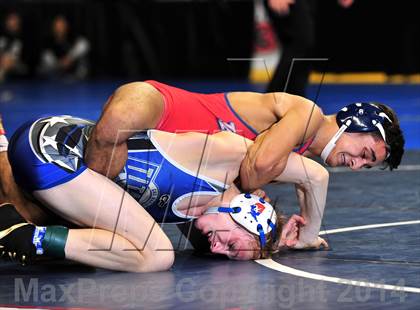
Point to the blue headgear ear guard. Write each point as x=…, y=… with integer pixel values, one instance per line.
x=357, y=117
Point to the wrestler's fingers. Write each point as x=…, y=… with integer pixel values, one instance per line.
x=289, y=225
x=292, y=235
x=324, y=243
x=298, y=219
x=261, y=193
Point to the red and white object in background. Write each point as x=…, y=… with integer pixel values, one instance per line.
x=266, y=48
x=2, y=131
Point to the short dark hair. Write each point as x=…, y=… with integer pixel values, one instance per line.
x=394, y=138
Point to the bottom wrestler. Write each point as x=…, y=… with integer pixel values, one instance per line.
x=170, y=178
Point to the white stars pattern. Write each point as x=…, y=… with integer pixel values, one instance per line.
x=55, y=119
x=50, y=141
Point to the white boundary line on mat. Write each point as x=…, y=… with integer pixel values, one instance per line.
x=345, y=229
x=269, y=263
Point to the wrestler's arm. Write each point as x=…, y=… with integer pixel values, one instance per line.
x=311, y=181
x=267, y=157
x=133, y=107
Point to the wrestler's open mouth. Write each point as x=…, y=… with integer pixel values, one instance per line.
x=343, y=160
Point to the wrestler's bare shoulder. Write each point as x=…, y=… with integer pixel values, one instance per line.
x=267, y=107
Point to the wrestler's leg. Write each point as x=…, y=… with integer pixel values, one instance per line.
x=17, y=243
x=93, y=201
x=9, y=191
x=133, y=107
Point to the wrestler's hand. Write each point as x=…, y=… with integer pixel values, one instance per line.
x=261, y=193
x=290, y=232
x=316, y=244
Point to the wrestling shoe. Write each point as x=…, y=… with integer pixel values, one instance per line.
x=15, y=236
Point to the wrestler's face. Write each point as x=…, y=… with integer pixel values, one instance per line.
x=358, y=150
x=226, y=237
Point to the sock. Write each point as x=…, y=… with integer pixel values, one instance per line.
x=4, y=144
x=50, y=240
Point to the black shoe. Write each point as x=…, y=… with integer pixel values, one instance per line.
x=15, y=236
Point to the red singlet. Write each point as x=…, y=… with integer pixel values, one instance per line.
x=208, y=113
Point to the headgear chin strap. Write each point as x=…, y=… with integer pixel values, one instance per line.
x=357, y=117
x=331, y=144
x=252, y=213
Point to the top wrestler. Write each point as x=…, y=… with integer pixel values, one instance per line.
x=278, y=122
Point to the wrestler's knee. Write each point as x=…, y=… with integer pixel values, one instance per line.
x=161, y=261
x=135, y=106
x=137, y=95
x=158, y=258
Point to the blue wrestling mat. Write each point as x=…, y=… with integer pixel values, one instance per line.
x=371, y=221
